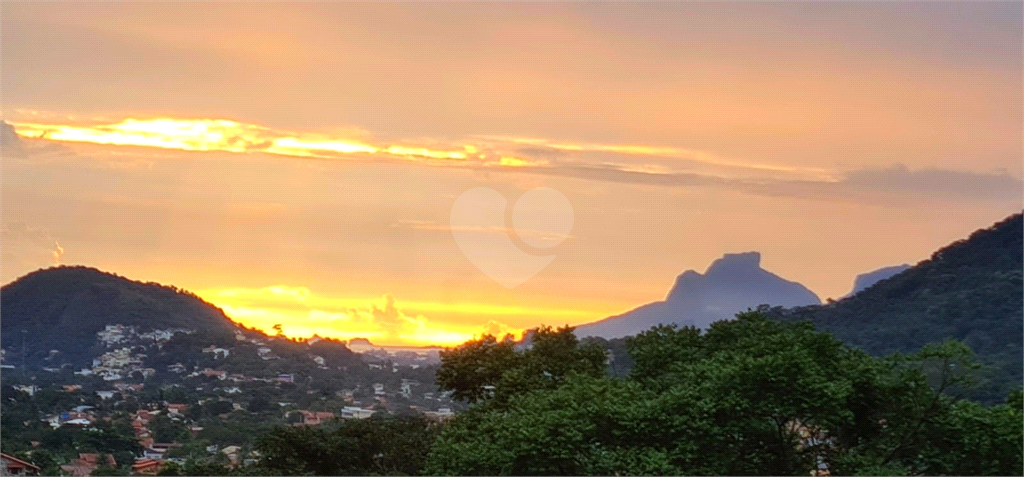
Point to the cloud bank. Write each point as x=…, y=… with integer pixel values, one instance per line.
x=654, y=165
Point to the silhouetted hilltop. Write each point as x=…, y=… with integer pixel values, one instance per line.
x=62, y=308
x=970, y=290
x=731, y=284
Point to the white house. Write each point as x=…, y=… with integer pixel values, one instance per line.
x=27, y=389
x=106, y=394
x=351, y=412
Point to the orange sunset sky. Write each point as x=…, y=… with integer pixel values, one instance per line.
x=297, y=163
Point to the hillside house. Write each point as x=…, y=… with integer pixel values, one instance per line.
x=106, y=394
x=123, y=387
x=351, y=412
x=222, y=375
x=11, y=465
x=311, y=418
x=29, y=389
x=233, y=453
x=176, y=368
x=442, y=414
x=407, y=385
x=147, y=466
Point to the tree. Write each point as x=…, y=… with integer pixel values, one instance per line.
x=485, y=368
x=747, y=397
x=376, y=446
x=166, y=430
x=469, y=369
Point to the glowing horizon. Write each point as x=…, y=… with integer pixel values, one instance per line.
x=303, y=313
x=300, y=175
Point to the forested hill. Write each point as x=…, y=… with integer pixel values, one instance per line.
x=970, y=290
x=62, y=308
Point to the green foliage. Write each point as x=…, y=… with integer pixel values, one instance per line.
x=205, y=467
x=376, y=446
x=166, y=430
x=469, y=368
x=581, y=428
x=485, y=368
x=751, y=396
x=969, y=291
x=170, y=468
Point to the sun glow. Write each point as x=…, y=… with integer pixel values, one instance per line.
x=226, y=136
x=302, y=313
x=423, y=152
x=185, y=135
x=293, y=146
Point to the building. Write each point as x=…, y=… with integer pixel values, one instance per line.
x=14, y=466
x=147, y=466
x=177, y=368
x=351, y=412
x=407, y=385
x=221, y=375
x=311, y=418
x=27, y=389
x=232, y=452
x=442, y=414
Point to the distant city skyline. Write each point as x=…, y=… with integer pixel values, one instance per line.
x=298, y=163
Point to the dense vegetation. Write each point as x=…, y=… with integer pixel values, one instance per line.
x=394, y=445
x=969, y=291
x=62, y=308
x=749, y=396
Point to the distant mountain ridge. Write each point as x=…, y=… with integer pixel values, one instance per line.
x=866, y=280
x=62, y=308
x=731, y=284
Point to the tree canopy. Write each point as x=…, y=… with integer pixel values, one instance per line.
x=749, y=396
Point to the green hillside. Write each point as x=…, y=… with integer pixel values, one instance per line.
x=970, y=290
x=62, y=308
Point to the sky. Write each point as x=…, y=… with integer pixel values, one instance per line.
x=305, y=163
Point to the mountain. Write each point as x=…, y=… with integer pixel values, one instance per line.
x=731, y=284
x=865, y=280
x=971, y=290
x=62, y=308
